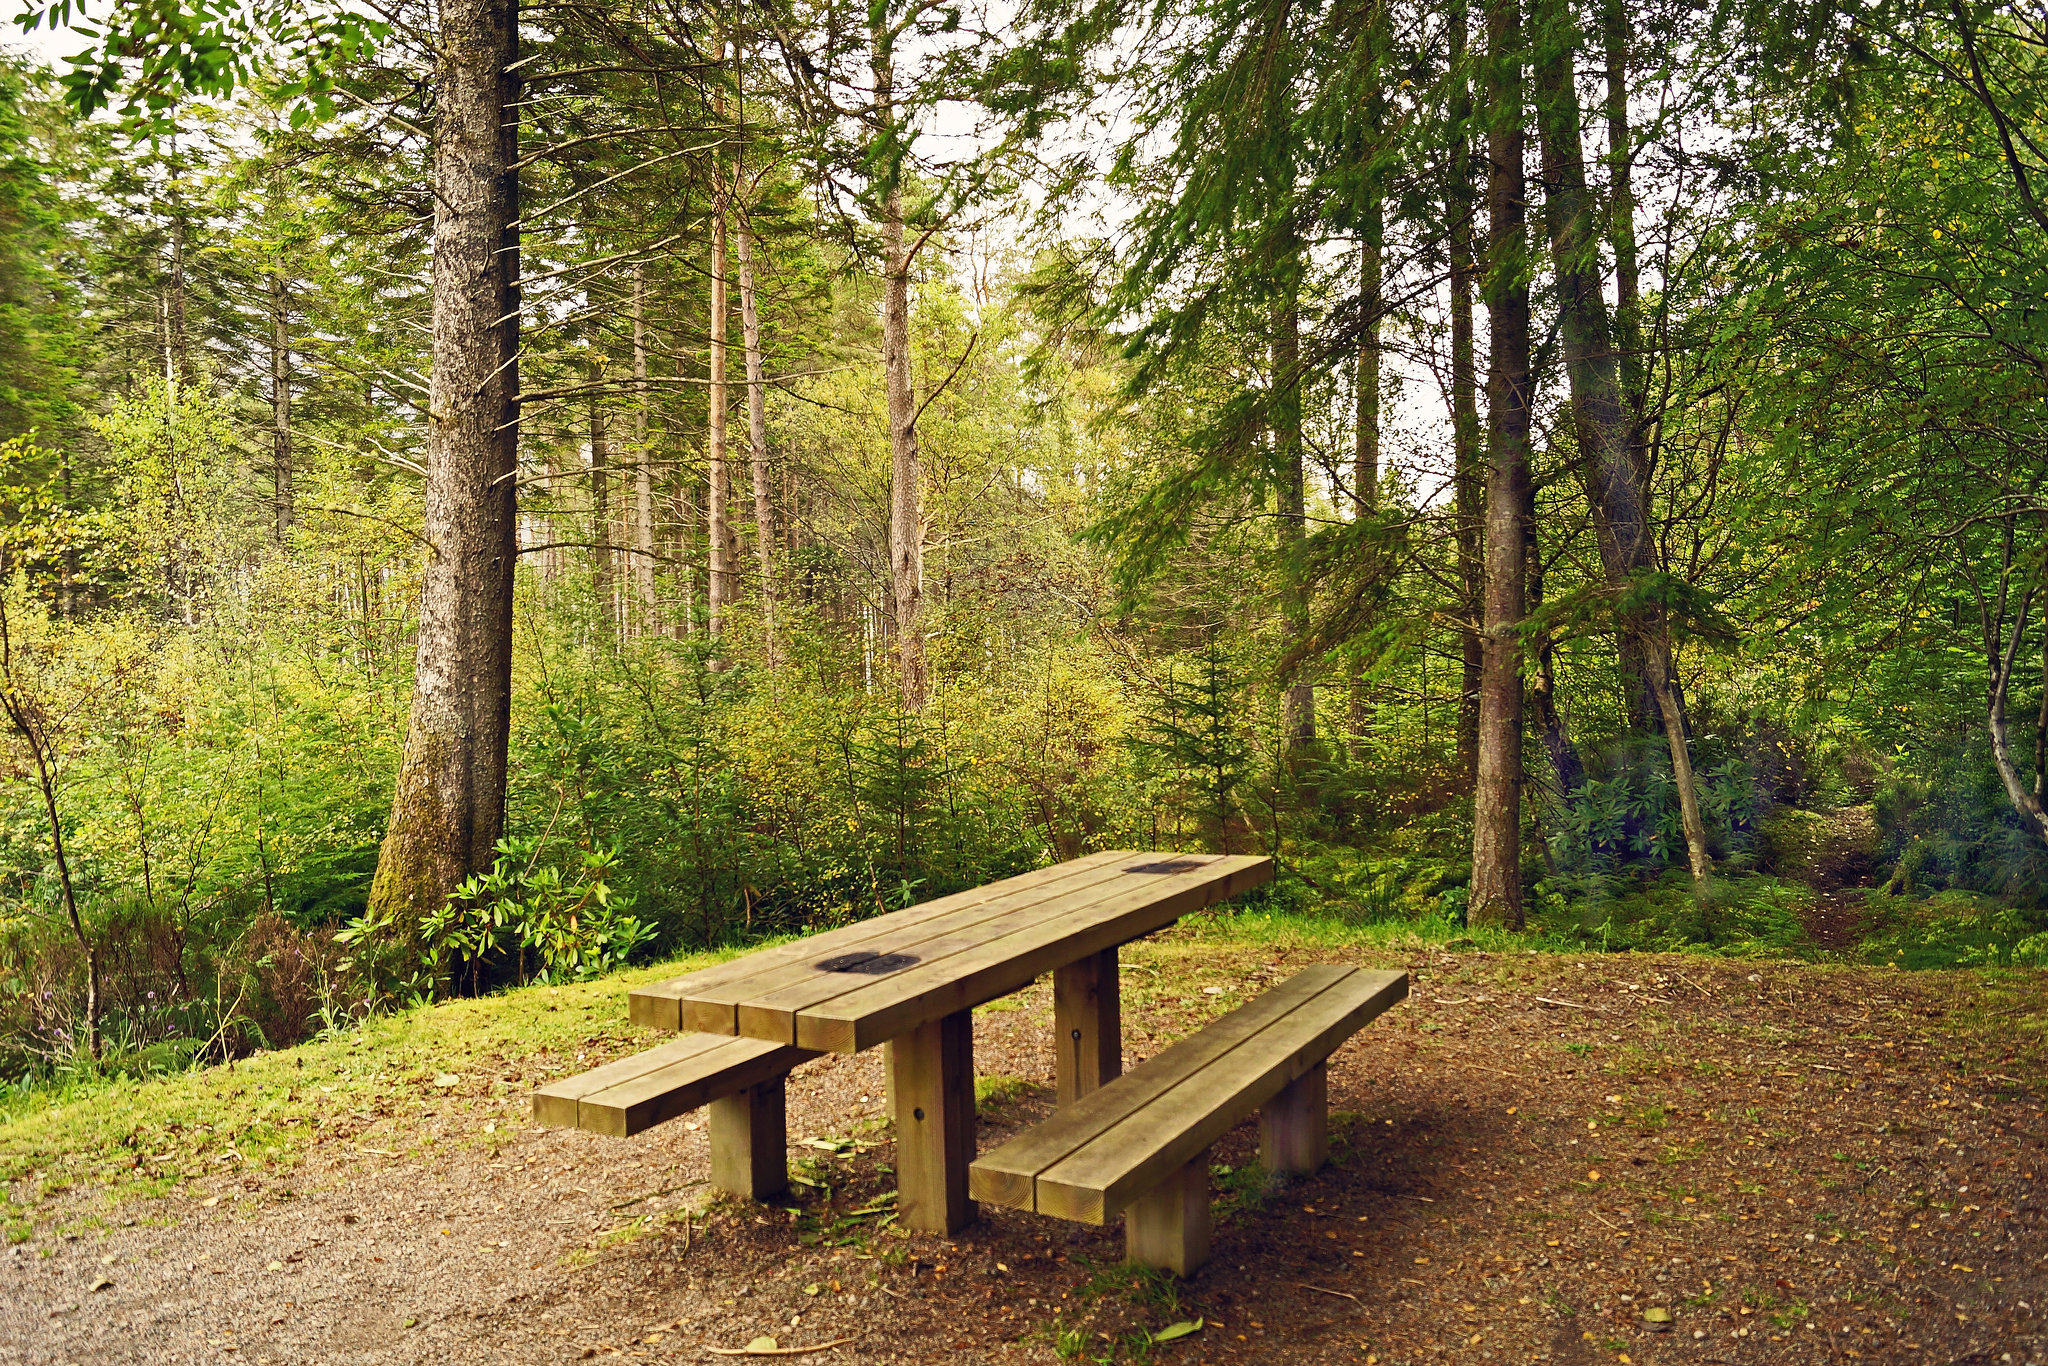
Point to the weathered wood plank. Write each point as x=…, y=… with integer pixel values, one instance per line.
x=637, y=1093
x=773, y=1002
x=766, y=1004
x=863, y=1018
x=556, y=1102
x=1131, y=1156
x=1007, y=1175
x=657, y=1005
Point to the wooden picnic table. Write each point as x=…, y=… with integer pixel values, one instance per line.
x=909, y=981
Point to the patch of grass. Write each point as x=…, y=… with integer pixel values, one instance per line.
x=993, y=1091
x=149, y=1135
x=1245, y=1189
x=1141, y=1287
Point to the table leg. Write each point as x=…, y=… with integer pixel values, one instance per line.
x=1087, y=1019
x=932, y=1068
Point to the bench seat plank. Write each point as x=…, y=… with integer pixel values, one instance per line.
x=1089, y=1162
x=634, y=1094
x=1006, y=1175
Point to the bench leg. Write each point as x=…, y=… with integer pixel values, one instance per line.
x=1087, y=1020
x=933, y=1071
x=1168, y=1226
x=1294, y=1126
x=749, y=1145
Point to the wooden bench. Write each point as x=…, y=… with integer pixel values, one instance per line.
x=1140, y=1145
x=740, y=1079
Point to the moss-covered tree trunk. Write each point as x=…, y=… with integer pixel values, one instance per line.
x=449, y=806
x=1614, y=482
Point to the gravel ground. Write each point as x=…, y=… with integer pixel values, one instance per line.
x=1794, y=1164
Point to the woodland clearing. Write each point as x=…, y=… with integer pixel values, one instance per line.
x=1538, y=1151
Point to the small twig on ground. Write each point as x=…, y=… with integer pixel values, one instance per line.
x=1574, y=1005
x=1320, y=1291
x=655, y=1195
x=776, y=1351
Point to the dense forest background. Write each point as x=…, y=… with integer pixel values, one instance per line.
x=1571, y=468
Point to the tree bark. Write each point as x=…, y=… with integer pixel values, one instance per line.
x=448, y=809
x=906, y=516
x=1621, y=208
x=1467, y=479
x=718, y=499
x=1365, y=455
x=1565, y=763
x=1298, y=702
x=1614, y=485
x=757, y=436
x=1496, y=896
x=602, y=576
x=643, y=460
x=2003, y=661
x=176, y=330
x=280, y=406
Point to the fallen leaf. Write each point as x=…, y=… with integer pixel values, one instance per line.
x=1657, y=1319
x=1174, y=1331
x=446, y=1079
x=762, y=1344
x=275, y=1266
x=100, y=1284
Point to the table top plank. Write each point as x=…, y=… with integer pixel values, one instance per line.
x=657, y=1005
x=1009, y=1174
x=789, y=986
x=922, y=992
x=1128, y=1158
x=772, y=1005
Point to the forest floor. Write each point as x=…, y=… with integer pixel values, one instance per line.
x=1795, y=1162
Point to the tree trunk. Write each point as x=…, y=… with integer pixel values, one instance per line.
x=449, y=806
x=717, y=529
x=643, y=459
x=175, y=304
x=757, y=436
x=2041, y=725
x=1365, y=455
x=1497, y=790
x=2027, y=803
x=906, y=517
x=601, y=572
x=281, y=405
x=1467, y=480
x=1614, y=486
x=1621, y=208
x=1298, y=703
x=1565, y=763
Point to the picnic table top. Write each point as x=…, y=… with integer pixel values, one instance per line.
x=865, y=983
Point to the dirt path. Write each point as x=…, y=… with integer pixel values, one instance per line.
x=1796, y=1164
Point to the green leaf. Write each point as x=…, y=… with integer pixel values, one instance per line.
x=1185, y=1328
